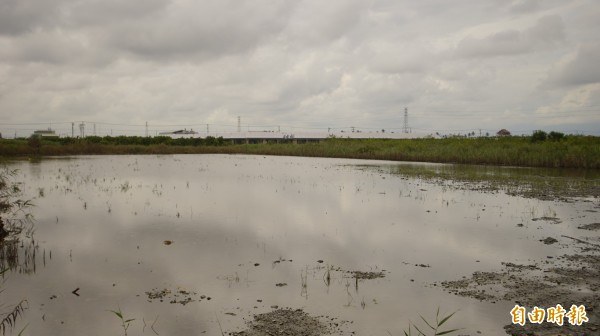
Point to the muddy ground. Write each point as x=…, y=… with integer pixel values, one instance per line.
x=567, y=280
x=296, y=322
x=570, y=279
x=293, y=322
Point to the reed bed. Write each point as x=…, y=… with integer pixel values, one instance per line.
x=568, y=152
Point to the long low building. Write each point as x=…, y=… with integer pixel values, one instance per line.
x=297, y=137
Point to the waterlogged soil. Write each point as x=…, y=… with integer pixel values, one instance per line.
x=255, y=245
x=293, y=322
x=566, y=185
x=572, y=279
x=591, y=227
x=567, y=280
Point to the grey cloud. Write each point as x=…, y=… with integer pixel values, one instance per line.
x=549, y=31
x=402, y=59
x=26, y=16
x=503, y=43
x=580, y=70
x=40, y=48
x=22, y=16
x=101, y=12
x=53, y=47
x=524, y=6
x=316, y=21
x=546, y=33
x=206, y=29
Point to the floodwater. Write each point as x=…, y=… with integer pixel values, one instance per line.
x=253, y=232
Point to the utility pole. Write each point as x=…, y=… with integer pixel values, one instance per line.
x=146, y=129
x=239, y=124
x=72, y=130
x=94, y=129
x=405, y=120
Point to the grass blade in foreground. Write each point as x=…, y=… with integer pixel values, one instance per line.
x=433, y=327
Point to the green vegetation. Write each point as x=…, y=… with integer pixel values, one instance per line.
x=539, y=183
x=8, y=318
x=14, y=221
x=433, y=326
x=539, y=150
x=125, y=322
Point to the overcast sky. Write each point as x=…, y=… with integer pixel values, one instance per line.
x=456, y=65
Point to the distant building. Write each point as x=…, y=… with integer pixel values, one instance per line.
x=503, y=132
x=49, y=133
x=183, y=131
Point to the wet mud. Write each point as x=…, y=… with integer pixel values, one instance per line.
x=293, y=322
x=566, y=280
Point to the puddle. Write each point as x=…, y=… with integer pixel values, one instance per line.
x=301, y=238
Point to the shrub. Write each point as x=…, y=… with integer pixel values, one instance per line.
x=555, y=136
x=539, y=136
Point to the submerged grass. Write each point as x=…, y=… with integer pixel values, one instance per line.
x=8, y=319
x=568, y=152
x=536, y=183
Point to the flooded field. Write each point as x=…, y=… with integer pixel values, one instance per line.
x=199, y=244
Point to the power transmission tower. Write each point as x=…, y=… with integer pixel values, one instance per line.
x=82, y=129
x=72, y=130
x=239, y=124
x=405, y=120
x=146, y=129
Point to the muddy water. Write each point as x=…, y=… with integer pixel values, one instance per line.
x=252, y=232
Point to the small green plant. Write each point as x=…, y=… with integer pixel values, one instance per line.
x=433, y=326
x=125, y=323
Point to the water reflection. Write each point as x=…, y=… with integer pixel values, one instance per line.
x=20, y=256
x=253, y=232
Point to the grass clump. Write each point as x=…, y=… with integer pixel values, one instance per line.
x=432, y=329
